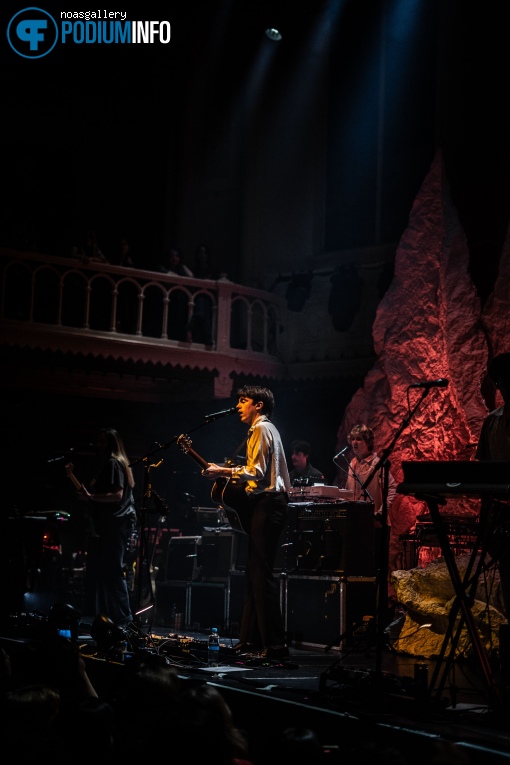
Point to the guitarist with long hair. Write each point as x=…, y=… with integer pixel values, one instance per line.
x=265, y=478
x=110, y=495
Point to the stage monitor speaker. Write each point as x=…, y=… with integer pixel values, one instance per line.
x=320, y=609
x=235, y=601
x=343, y=538
x=168, y=595
x=182, y=561
x=208, y=606
x=219, y=553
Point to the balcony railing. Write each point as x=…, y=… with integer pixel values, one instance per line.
x=64, y=304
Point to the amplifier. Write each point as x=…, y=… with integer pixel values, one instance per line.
x=220, y=553
x=182, y=560
x=327, y=610
x=341, y=537
x=319, y=491
x=321, y=511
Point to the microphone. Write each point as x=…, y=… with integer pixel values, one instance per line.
x=441, y=383
x=341, y=453
x=223, y=413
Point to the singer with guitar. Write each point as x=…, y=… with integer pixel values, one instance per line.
x=110, y=496
x=265, y=479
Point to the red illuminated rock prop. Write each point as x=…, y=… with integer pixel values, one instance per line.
x=427, y=327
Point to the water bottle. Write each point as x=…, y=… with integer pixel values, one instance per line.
x=213, y=648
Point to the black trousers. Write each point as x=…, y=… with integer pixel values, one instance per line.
x=261, y=621
x=112, y=594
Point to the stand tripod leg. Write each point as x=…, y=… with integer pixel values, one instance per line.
x=143, y=578
x=144, y=565
x=462, y=598
x=340, y=639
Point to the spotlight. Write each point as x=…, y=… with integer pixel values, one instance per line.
x=274, y=34
x=105, y=633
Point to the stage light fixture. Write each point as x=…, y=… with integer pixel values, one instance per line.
x=273, y=33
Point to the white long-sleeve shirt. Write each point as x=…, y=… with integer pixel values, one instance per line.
x=363, y=468
x=266, y=465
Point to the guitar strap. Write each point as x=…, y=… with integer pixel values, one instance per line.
x=243, y=443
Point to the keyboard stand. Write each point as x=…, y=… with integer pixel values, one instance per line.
x=462, y=602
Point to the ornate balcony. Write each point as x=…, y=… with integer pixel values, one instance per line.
x=95, y=324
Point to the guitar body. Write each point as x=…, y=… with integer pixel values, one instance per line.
x=226, y=493
x=232, y=498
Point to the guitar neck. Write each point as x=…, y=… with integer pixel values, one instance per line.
x=198, y=459
x=77, y=485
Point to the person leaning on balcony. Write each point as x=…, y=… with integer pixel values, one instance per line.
x=171, y=262
x=201, y=324
x=89, y=251
x=122, y=256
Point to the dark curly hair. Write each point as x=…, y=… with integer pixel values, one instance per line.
x=259, y=394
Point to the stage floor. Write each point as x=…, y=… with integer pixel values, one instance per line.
x=364, y=690
x=348, y=693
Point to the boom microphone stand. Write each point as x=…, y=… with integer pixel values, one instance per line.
x=144, y=557
x=348, y=633
x=382, y=574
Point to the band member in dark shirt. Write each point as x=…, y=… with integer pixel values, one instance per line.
x=303, y=472
x=110, y=494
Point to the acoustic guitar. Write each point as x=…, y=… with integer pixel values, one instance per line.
x=226, y=492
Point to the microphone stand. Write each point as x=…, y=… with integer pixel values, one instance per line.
x=364, y=489
x=382, y=574
x=340, y=638
x=143, y=560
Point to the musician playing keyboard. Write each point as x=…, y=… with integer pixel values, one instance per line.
x=494, y=444
x=361, y=439
x=303, y=473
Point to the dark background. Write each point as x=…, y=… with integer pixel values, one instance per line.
x=102, y=138
x=97, y=135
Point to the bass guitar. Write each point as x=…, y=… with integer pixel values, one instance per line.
x=70, y=474
x=79, y=487
x=226, y=492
